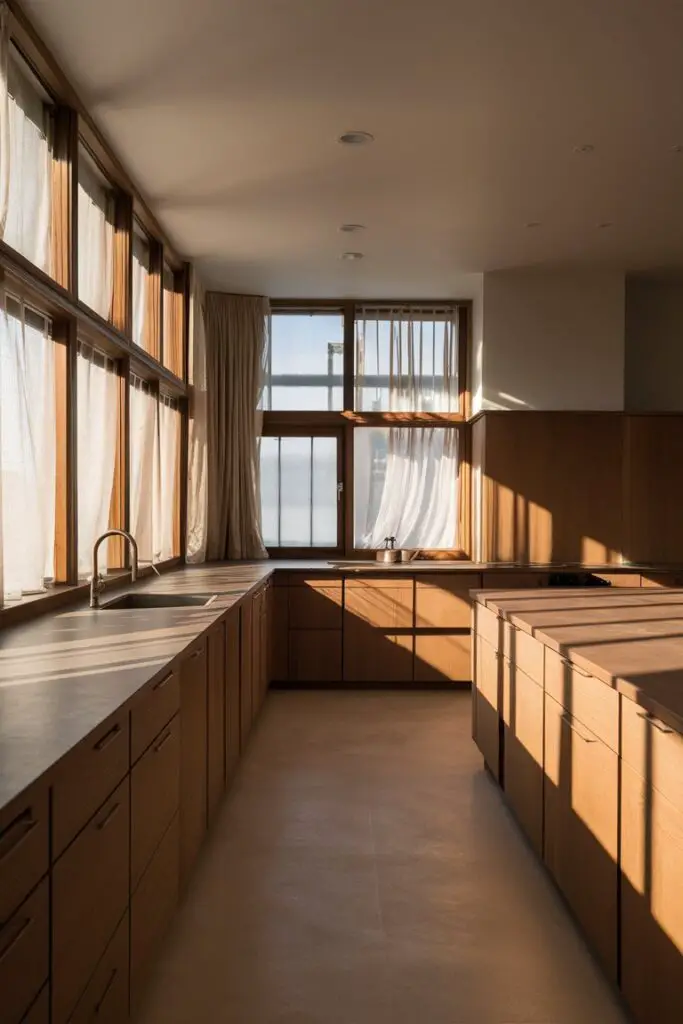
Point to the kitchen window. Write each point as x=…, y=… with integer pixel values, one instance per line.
x=96, y=209
x=305, y=361
x=301, y=490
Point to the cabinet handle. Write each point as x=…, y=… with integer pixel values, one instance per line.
x=162, y=742
x=575, y=668
x=15, y=938
x=108, y=738
x=196, y=654
x=568, y=720
x=162, y=682
x=100, y=1003
x=655, y=722
x=101, y=825
x=16, y=832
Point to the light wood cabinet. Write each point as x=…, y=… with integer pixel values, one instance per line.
x=588, y=700
x=90, y=888
x=315, y=603
x=216, y=715
x=514, y=580
x=246, y=670
x=442, y=600
x=154, y=796
x=24, y=954
x=156, y=707
x=443, y=657
x=152, y=908
x=524, y=650
x=315, y=655
x=232, y=692
x=486, y=698
x=193, y=759
x=523, y=750
x=383, y=602
x=24, y=847
x=279, y=637
x=373, y=656
x=106, y=998
x=581, y=806
x=488, y=626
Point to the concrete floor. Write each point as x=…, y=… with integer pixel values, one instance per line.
x=364, y=869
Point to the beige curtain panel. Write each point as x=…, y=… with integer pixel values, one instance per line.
x=236, y=341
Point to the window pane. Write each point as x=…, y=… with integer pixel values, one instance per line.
x=166, y=540
x=143, y=407
x=97, y=384
x=406, y=486
x=141, y=265
x=299, y=491
x=173, y=337
x=406, y=360
x=29, y=166
x=306, y=362
x=95, y=237
x=27, y=451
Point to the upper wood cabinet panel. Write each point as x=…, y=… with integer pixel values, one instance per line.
x=385, y=603
x=443, y=602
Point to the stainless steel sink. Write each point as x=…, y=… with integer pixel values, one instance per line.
x=132, y=600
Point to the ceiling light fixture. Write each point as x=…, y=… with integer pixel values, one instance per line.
x=585, y=150
x=356, y=138
x=350, y=228
x=352, y=256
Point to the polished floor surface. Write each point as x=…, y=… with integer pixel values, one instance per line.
x=363, y=870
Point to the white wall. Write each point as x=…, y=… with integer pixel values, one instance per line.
x=553, y=340
x=654, y=346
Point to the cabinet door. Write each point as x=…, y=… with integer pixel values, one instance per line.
x=315, y=603
x=523, y=750
x=581, y=804
x=232, y=692
x=385, y=602
x=24, y=846
x=106, y=998
x=24, y=955
x=154, y=795
x=279, y=634
x=373, y=656
x=443, y=602
x=486, y=697
x=443, y=658
x=651, y=908
x=216, y=718
x=246, y=671
x=193, y=758
x=315, y=655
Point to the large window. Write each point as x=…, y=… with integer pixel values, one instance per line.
x=143, y=410
x=173, y=322
x=26, y=164
x=362, y=448
x=27, y=451
x=142, y=323
x=96, y=205
x=166, y=539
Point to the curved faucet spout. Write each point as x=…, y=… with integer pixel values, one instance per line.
x=96, y=582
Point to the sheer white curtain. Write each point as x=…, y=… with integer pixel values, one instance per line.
x=140, y=289
x=143, y=408
x=165, y=474
x=25, y=158
x=97, y=388
x=197, y=491
x=27, y=450
x=95, y=240
x=406, y=360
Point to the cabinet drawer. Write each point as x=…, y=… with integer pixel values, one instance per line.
x=652, y=749
x=524, y=651
x=86, y=777
x=487, y=673
x=40, y=1011
x=443, y=602
x=372, y=656
x=443, y=658
x=24, y=955
x=523, y=750
x=105, y=1000
x=152, y=907
x=489, y=626
x=90, y=886
x=588, y=700
x=486, y=697
x=387, y=604
x=315, y=655
x=315, y=605
x=24, y=847
x=157, y=706
x=154, y=795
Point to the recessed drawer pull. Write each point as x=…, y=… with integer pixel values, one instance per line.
x=162, y=742
x=196, y=654
x=101, y=825
x=107, y=988
x=23, y=925
x=655, y=722
x=162, y=682
x=568, y=720
x=108, y=737
x=575, y=668
x=16, y=832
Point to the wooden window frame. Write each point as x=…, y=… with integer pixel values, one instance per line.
x=314, y=423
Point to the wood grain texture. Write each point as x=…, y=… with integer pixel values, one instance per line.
x=443, y=658
x=374, y=656
x=193, y=765
x=106, y=999
x=154, y=797
x=25, y=954
x=232, y=692
x=443, y=602
x=315, y=655
x=24, y=846
x=654, y=490
x=216, y=716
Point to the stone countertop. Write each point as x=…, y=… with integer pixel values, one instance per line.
x=630, y=638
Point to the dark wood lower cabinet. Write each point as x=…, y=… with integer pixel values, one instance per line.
x=232, y=693
x=216, y=719
x=246, y=670
x=24, y=954
x=152, y=907
x=373, y=656
x=106, y=998
x=193, y=758
x=315, y=656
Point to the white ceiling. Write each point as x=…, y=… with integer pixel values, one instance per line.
x=226, y=115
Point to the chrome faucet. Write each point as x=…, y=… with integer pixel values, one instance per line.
x=96, y=580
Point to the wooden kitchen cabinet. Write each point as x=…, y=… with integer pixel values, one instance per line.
x=373, y=656
x=40, y=1009
x=486, y=704
x=154, y=796
x=193, y=758
x=246, y=670
x=24, y=847
x=216, y=696
x=158, y=704
x=279, y=634
x=523, y=750
x=90, y=890
x=442, y=600
x=443, y=657
x=514, y=580
x=315, y=602
x=581, y=808
x=152, y=907
x=383, y=602
x=232, y=692
x=24, y=954
x=315, y=655
x=106, y=998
